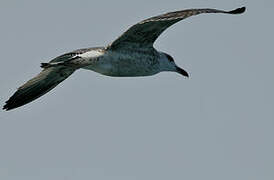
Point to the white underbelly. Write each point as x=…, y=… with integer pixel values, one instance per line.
x=126, y=65
x=123, y=69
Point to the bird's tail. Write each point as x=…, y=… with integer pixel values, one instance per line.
x=52, y=64
x=38, y=86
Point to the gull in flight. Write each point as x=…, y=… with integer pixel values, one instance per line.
x=130, y=55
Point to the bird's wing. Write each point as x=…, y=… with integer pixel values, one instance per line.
x=52, y=74
x=144, y=33
x=38, y=86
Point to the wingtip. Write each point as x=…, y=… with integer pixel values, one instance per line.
x=7, y=106
x=238, y=10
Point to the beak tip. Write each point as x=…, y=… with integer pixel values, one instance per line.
x=182, y=72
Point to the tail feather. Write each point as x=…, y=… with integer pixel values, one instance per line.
x=47, y=65
x=39, y=85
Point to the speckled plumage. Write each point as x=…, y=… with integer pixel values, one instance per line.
x=132, y=54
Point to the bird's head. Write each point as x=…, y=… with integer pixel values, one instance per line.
x=167, y=63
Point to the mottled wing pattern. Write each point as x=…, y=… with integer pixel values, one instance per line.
x=38, y=86
x=147, y=31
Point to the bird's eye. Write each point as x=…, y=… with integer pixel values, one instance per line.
x=169, y=58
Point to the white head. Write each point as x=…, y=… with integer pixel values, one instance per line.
x=167, y=64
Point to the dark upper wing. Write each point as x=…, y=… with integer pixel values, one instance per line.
x=147, y=31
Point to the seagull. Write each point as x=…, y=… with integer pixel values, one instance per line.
x=130, y=55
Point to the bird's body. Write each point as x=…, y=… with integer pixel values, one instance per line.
x=130, y=55
x=130, y=63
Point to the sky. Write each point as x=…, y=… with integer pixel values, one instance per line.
x=217, y=124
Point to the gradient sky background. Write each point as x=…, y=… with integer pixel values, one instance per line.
x=216, y=125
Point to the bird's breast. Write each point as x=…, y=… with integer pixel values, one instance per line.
x=126, y=65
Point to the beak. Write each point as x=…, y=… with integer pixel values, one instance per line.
x=181, y=71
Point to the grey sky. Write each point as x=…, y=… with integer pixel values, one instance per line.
x=216, y=125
